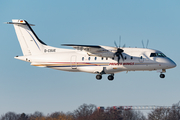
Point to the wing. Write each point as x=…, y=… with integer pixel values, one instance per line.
x=95, y=50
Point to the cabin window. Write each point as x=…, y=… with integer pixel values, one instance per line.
x=82, y=58
x=131, y=57
x=141, y=57
x=95, y=58
x=107, y=58
x=113, y=58
x=102, y=58
x=89, y=58
x=125, y=58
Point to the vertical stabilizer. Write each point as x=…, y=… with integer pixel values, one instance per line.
x=29, y=42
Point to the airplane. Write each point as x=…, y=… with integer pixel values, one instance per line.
x=96, y=59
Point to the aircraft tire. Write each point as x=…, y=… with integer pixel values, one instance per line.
x=110, y=77
x=98, y=77
x=162, y=76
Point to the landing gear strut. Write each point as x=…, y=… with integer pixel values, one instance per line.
x=162, y=75
x=111, y=77
x=98, y=77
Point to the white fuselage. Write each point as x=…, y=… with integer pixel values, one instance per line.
x=136, y=59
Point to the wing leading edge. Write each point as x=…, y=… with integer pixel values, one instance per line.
x=74, y=45
x=94, y=50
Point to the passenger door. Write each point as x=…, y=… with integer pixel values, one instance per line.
x=73, y=62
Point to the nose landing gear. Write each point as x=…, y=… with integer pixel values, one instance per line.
x=162, y=75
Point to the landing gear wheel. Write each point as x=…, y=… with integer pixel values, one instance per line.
x=110, y=77
x=98, y=77
x=162, y=76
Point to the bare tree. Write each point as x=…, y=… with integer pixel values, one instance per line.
x=139, y=115
x=84, y=112
x=59, y=116
x=55, y=115
x=23, y=116
x=174, y=113
x=10, y=116
x=159, y=114
x=117, y=114
x=35, y=115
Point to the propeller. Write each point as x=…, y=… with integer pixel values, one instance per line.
x=119, y=51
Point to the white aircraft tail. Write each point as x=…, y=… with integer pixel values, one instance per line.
x=29, y=42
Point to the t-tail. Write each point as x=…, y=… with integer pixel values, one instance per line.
x=29, y=41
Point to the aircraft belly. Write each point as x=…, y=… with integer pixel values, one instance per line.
x=65, y=69
x=91, y=69
x=112, y=70
x=145, y=67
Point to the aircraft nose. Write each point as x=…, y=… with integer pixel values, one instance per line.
x=172, y=64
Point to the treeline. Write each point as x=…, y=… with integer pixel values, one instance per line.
x=90, y=112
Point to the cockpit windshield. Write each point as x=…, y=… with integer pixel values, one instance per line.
x=157, y=55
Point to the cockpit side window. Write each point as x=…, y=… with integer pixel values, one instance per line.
x=161, y=55
x=157, y=55
x=153, y=55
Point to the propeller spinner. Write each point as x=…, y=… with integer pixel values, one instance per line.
x=119, y=52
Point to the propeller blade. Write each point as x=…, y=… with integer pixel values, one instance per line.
x=147, y=43
x=119, y=41
x=122, y=56
x=143, y=43
x=124, y=46
x=118, y=59
x=115, y=44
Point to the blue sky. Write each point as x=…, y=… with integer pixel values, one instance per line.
x=25, y=88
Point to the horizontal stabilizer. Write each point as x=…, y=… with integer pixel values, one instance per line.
x=20, y=22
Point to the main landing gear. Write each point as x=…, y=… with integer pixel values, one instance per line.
x=98, y=77
x=110, y=77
